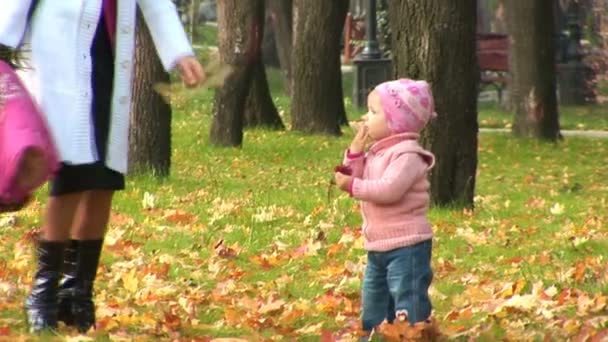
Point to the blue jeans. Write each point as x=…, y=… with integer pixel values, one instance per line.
x=397, y=281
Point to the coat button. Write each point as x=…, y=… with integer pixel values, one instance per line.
x=123, y=100
x=125, y=64
x=125, y=30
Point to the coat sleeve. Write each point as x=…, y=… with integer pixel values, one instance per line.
x=13, y=21
x=166, y=29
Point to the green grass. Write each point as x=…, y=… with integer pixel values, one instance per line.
x=588, y=117
x=540, y=218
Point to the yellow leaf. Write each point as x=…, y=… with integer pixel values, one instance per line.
x=557, y=209
x=130, y=281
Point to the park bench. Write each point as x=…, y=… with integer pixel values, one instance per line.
x=493, y=60
x=492, y=53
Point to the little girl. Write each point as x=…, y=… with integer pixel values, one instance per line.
x=391, y=182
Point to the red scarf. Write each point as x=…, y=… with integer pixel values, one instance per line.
x=109, y=13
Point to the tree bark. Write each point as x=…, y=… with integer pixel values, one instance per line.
x=437, y=43
x=150, y=130
x=259, y=109
x=318, y=104
x=532, y=68
x=240, y=25
x=282, y=18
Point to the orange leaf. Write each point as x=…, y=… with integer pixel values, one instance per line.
x=171, y=321
x=231, y=316
x=334, y=249
x=5, y=331
x=327, y=336
x=545, y=258
x=329, y=302
x=179, y=217
x=515, y=260
x=265, y=261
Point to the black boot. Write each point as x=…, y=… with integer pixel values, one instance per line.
x=41, y=304
x=67, y=282
x=83, y=308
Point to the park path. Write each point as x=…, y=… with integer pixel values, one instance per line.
x=596, y=134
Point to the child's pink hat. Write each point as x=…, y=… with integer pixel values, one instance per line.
x=408, y=104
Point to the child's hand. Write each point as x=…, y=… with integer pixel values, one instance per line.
x=359, y=141
x=191, y=71
x=343, y=181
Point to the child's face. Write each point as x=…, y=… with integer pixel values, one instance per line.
x=377, y=127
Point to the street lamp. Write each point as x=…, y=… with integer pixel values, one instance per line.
x=574, y=77
x=371, y=49
x=370, y=67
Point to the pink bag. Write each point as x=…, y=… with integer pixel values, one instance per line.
x=28, y=157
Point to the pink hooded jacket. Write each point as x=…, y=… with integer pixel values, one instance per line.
x=22, y=127
x=391, y=182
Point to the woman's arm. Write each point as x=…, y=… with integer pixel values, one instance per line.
x=13, y=21
x=166, y=29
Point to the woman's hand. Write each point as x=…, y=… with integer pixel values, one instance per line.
x=191, y=71
x=359, y=141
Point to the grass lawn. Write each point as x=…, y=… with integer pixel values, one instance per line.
x=253, y=243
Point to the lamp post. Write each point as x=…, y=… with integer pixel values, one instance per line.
x=370, y=67
x=371, y=49
x=574, y=77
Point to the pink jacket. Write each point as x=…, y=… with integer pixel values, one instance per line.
x=391, y=182
x=22, y=127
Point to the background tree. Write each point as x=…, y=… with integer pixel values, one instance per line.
x=150, y=132
x=437, y=43
x=259, y=108
x=531, y=26
x=281, y=16
x=240, y=27
x=317, y=101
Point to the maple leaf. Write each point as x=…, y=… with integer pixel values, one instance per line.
x=402, y=331
x=557, y=209
x=179, y=217
x=223, y=251
x=130, y=281
x=271, y=307
x=171, y=321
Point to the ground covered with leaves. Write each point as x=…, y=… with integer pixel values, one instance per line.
x=253, y=243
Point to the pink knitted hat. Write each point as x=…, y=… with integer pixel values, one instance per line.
x=408, y=104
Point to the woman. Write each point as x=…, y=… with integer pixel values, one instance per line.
x=82, y=66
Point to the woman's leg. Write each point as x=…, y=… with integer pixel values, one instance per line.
x=59, y=216
x=41, y=305
x=76, y=288
x=93, y=215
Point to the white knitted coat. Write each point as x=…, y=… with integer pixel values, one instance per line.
x=60, y=35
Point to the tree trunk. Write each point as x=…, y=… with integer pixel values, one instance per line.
x=318, y=104
x=259, y=109
x=282, y=19
x=437, y=43
x=240, y=25
x=150, y=132
x=532, y=67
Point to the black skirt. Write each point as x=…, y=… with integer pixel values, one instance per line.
x=95, y=176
